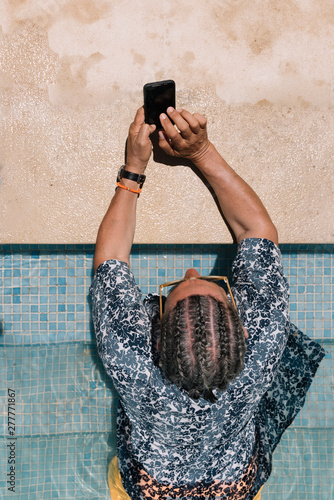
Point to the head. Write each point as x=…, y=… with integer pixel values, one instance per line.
x=202, y=344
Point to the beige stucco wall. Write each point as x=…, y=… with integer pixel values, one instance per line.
x=71, y=77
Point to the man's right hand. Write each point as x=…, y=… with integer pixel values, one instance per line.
x=191, y=141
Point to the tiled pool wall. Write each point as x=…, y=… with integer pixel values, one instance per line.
x=64, y=403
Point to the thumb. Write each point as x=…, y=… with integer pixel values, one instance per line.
x=145, y=131
x=152, y=128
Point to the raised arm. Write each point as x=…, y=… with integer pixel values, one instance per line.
x=242, y=208
x=116, y=232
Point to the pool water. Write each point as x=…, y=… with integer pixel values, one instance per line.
x=62, y=405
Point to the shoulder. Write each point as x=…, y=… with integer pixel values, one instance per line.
x=259, y=283
x=115, y=279
x=259, y=250
x=113, y=270
x=258, y=262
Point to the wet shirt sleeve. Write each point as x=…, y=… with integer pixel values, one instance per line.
x=122, y=327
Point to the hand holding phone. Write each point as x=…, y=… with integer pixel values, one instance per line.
x=158, y=96
x=138, y=144
x=189, y=140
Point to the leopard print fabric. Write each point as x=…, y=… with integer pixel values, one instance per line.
x=185, y=445
x=153, y=490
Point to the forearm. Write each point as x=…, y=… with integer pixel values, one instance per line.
x=116, y=232
x=117, y=229
x=242, y=208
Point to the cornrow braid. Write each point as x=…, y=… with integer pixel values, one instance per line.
x=202, y=345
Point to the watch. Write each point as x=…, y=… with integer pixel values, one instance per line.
x=139, y=178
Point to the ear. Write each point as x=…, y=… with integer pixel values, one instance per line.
x=245, y=332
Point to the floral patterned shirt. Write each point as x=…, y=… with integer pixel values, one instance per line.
x=181, y=443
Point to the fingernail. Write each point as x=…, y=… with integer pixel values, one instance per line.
x=163, y=116
x=170, y=109
x=179, y=110
x=161, y=135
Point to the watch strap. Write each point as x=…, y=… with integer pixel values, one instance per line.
x=139, y=178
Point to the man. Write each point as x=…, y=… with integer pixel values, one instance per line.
x=208, y=384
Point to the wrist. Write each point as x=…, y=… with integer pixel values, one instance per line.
x=207, y=161
x=135, y=167
x=131, y=175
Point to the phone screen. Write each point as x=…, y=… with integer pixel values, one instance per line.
x=158, y=96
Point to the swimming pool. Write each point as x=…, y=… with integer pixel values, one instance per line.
x=62, y=404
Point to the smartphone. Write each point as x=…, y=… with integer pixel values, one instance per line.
x=158, y=96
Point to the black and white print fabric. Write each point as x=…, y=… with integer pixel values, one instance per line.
x=182, y=443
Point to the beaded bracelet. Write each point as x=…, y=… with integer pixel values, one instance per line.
x=137, y=191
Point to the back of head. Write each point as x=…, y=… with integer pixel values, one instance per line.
x=202, y=345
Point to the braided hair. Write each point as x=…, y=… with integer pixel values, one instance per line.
x=202, y=345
